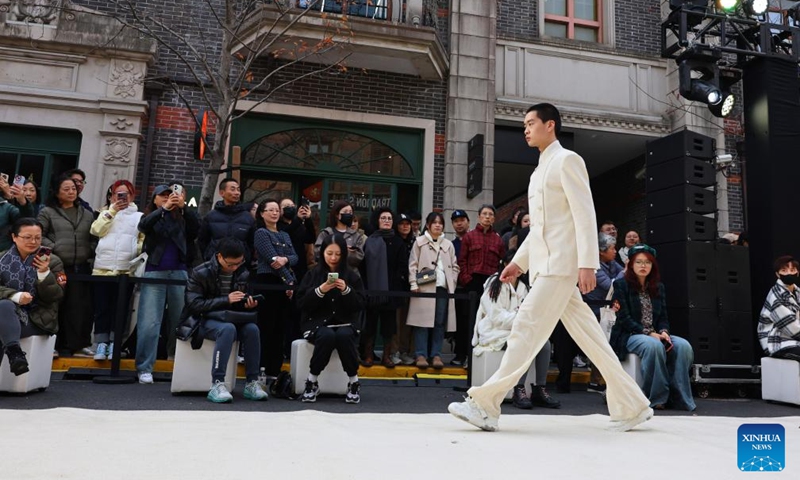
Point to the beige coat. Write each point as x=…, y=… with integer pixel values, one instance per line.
x=563, y=236
x=423, y=255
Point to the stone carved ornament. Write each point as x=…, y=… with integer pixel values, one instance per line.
x=43, y=12
x=118, y=150
x=121, y=123
x=125, y=77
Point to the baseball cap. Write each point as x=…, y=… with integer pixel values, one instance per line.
x=161, y=189
x=403, y=218
x=459, y=214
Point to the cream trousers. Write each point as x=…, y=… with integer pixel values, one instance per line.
x=552, y=298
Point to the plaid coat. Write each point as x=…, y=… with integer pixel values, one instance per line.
x=779, y=322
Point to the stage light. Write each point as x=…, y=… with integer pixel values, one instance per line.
x=725, y=107
x=727, y=6
x=755, y=7
x=704, y=91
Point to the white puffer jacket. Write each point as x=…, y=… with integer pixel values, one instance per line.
x=119, y=239
x=494, y=319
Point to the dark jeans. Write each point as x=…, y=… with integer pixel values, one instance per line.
x=388, y=326
x=271, y=322
x=11, y=329
x=464, y=325
x=790, y=353
x=225, y=334
x=105, y=309
x=75, y=318
x=343, y=340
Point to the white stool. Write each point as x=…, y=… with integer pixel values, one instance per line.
x=780, y=380
x=39, y=353
x=484, y=365
x=633, y=367
x=191, y=371
x=333, y=378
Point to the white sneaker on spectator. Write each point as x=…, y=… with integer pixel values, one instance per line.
x=395, y=358
x=145, y=378
x=240, y=360
x=111, y=351
x=578, y=362
x=219, y=393
x=102, y=351
x=407, y=359
x=85, y=352
x=470, y=412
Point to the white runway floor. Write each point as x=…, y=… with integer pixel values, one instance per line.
x=69, y=443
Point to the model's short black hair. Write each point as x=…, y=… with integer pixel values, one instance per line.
x=230, y=247
x=225, y=181
x=547, y=112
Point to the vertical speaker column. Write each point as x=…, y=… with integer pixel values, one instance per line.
x=706, y=282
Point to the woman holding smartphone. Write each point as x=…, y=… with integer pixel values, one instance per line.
x=642, y=328
x=170, y=230
x=331, y=302
x=120, y=242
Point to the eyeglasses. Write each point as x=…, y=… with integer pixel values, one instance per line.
x=82, y=182
x=231, y=265
x=29, y=238
x=643, y=263
x=385, y=219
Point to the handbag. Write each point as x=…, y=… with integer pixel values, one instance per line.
x=138, y=265
x=428, y=275
x=232, y=316
x=608, y=317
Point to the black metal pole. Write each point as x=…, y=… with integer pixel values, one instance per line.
x=119, y=324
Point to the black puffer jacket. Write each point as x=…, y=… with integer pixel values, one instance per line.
x=181, y=227
x=203, y=289
x=333, y=308
x=227, y=221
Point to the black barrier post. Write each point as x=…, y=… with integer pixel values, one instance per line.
x=119, y=324
x=473, y=312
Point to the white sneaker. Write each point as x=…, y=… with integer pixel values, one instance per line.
x=630, y=423
x=110, y=351
x=395, y=358
x=470, y=412
x=102, y=351
x=219, y=393
x=145, y=378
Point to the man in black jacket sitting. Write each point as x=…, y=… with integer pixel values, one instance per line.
x=215, y=295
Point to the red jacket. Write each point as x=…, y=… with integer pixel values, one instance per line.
x=481, y=252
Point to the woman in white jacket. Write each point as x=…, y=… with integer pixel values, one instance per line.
x=120, y=241
x=496, y=313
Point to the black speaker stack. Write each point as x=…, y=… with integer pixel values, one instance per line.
x=707, y=283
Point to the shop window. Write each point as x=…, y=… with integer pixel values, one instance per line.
x=323, y=150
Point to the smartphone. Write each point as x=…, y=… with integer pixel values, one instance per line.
x=19, y=180
x=123, y=196
x=44, y=251
x=177, y=189
x=667, y=345
x=303, y=201
x=333, y=276
x=4, y=176
x=258, y=297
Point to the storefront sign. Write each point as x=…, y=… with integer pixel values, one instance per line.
x=475, y=166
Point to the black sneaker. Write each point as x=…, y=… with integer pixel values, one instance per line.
x=311, y=392
x=353, y=393
x=18, y=364
x=540, y=398
x=520, y=398
x=595, y=387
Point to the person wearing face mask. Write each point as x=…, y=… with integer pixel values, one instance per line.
x=341, y=222
x=642, y=328
x=779, y=322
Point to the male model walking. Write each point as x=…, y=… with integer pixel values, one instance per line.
x=560, y=251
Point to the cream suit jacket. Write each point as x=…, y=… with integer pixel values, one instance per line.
x=563, y=236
